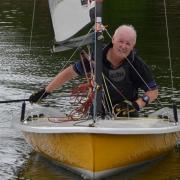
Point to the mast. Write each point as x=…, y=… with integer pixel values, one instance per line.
x=98, y=60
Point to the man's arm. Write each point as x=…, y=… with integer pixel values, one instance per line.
x=64, y=76
x=152, y=94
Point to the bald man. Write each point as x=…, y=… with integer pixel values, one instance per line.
x=124, y=71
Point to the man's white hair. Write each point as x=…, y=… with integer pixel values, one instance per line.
x=130, y=28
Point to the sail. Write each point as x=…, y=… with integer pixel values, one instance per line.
x=74, y=43
x=69, y=16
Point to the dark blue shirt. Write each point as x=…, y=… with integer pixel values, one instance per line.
x=124, y=81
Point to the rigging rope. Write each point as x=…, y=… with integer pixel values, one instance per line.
x=169, y=48
x=132, y=65
x=82, y=95
x=170, y=65
x=32, y=26
x=135, y=70
x=75, y=51
x=107, y=97
x=71, y=58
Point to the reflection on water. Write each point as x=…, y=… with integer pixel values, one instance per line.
x=39, y=168
x=23, y=70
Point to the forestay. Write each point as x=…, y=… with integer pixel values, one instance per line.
x=67, y=22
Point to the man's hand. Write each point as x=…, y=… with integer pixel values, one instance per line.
x=35, y=97
x=126, y=109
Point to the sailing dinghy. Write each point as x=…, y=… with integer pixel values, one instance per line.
x=91, y=146
x=104, y=148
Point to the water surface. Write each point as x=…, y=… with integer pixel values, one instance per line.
x=23, y=70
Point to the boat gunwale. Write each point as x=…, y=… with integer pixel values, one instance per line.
x=69, y=127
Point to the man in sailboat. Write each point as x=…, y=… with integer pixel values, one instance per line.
x=123, y=69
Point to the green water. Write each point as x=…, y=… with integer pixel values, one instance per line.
x=23, y=70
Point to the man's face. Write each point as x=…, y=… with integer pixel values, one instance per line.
x=123, y=43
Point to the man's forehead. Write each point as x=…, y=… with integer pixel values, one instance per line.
x=125, y=30
x=125, y=34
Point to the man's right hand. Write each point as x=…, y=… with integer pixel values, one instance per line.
x=36, y=97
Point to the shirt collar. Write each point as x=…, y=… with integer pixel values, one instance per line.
x=110, y=45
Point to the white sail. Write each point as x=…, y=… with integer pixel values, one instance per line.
x=69, y=16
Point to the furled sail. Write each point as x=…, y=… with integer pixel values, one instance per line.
x=74, y=43
x=69, y=16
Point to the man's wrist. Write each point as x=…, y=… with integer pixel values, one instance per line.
x=145, y=99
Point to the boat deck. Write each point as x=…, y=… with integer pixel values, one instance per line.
x=140, y=125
